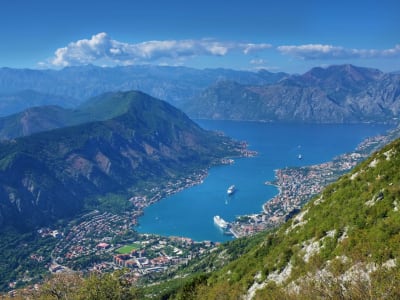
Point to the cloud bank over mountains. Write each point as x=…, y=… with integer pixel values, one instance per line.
x=318, y=51
x=101, y=49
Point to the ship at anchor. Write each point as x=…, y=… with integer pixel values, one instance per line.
x=231, y=190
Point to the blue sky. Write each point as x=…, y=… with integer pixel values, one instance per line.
x=290, y=36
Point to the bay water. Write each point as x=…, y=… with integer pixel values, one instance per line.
x=190, y=212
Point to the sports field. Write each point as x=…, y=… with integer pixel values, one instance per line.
x=128, y=248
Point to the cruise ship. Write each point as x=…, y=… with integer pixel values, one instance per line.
x=231, y=190
x=220, y=222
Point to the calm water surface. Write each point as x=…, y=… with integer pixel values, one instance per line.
x=190, y=213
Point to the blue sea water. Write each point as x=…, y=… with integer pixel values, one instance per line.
x=190, y=213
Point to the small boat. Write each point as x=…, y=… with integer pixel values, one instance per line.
x=300, y=156
x=231, y=190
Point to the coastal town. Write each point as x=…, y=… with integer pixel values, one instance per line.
x=297, y=185
x=105, y=242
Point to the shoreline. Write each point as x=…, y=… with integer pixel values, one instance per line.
x=197, y=177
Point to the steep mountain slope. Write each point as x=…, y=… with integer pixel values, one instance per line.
x=336, y=94
x=174, y=84
x=35, y=119
x=342, y=245
x=50, y=175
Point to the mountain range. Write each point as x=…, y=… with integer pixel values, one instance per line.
x=336, y=94
x=24, y=99
x=124, y=140
x=68, y=87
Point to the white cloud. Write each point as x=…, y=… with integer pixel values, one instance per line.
x=393, y=52
x=248, y=48
x=258, y=61
x=319, y=51
x=101, y=48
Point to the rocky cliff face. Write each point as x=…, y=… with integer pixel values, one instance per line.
x=49, y=175
x=336, y=94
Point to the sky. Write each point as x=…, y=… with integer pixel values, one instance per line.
x=286, y=35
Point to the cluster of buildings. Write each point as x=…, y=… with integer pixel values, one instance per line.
x=156, y=193
x=139, y=261
x=156, y=253
x=90, y=236
x=96, y=235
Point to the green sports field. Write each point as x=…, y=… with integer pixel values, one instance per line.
x=128, y=248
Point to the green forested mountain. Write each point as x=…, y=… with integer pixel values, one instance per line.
x=44, y=118
x=140, y=140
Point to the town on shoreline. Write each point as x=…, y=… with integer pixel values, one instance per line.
x=297, y=185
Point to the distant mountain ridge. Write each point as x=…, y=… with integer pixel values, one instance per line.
x=77, y=84
x=336, y=94
x=50, y=175
x=11, y=103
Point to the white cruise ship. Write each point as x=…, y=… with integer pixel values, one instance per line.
x=220, y=222
x=231, y=190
